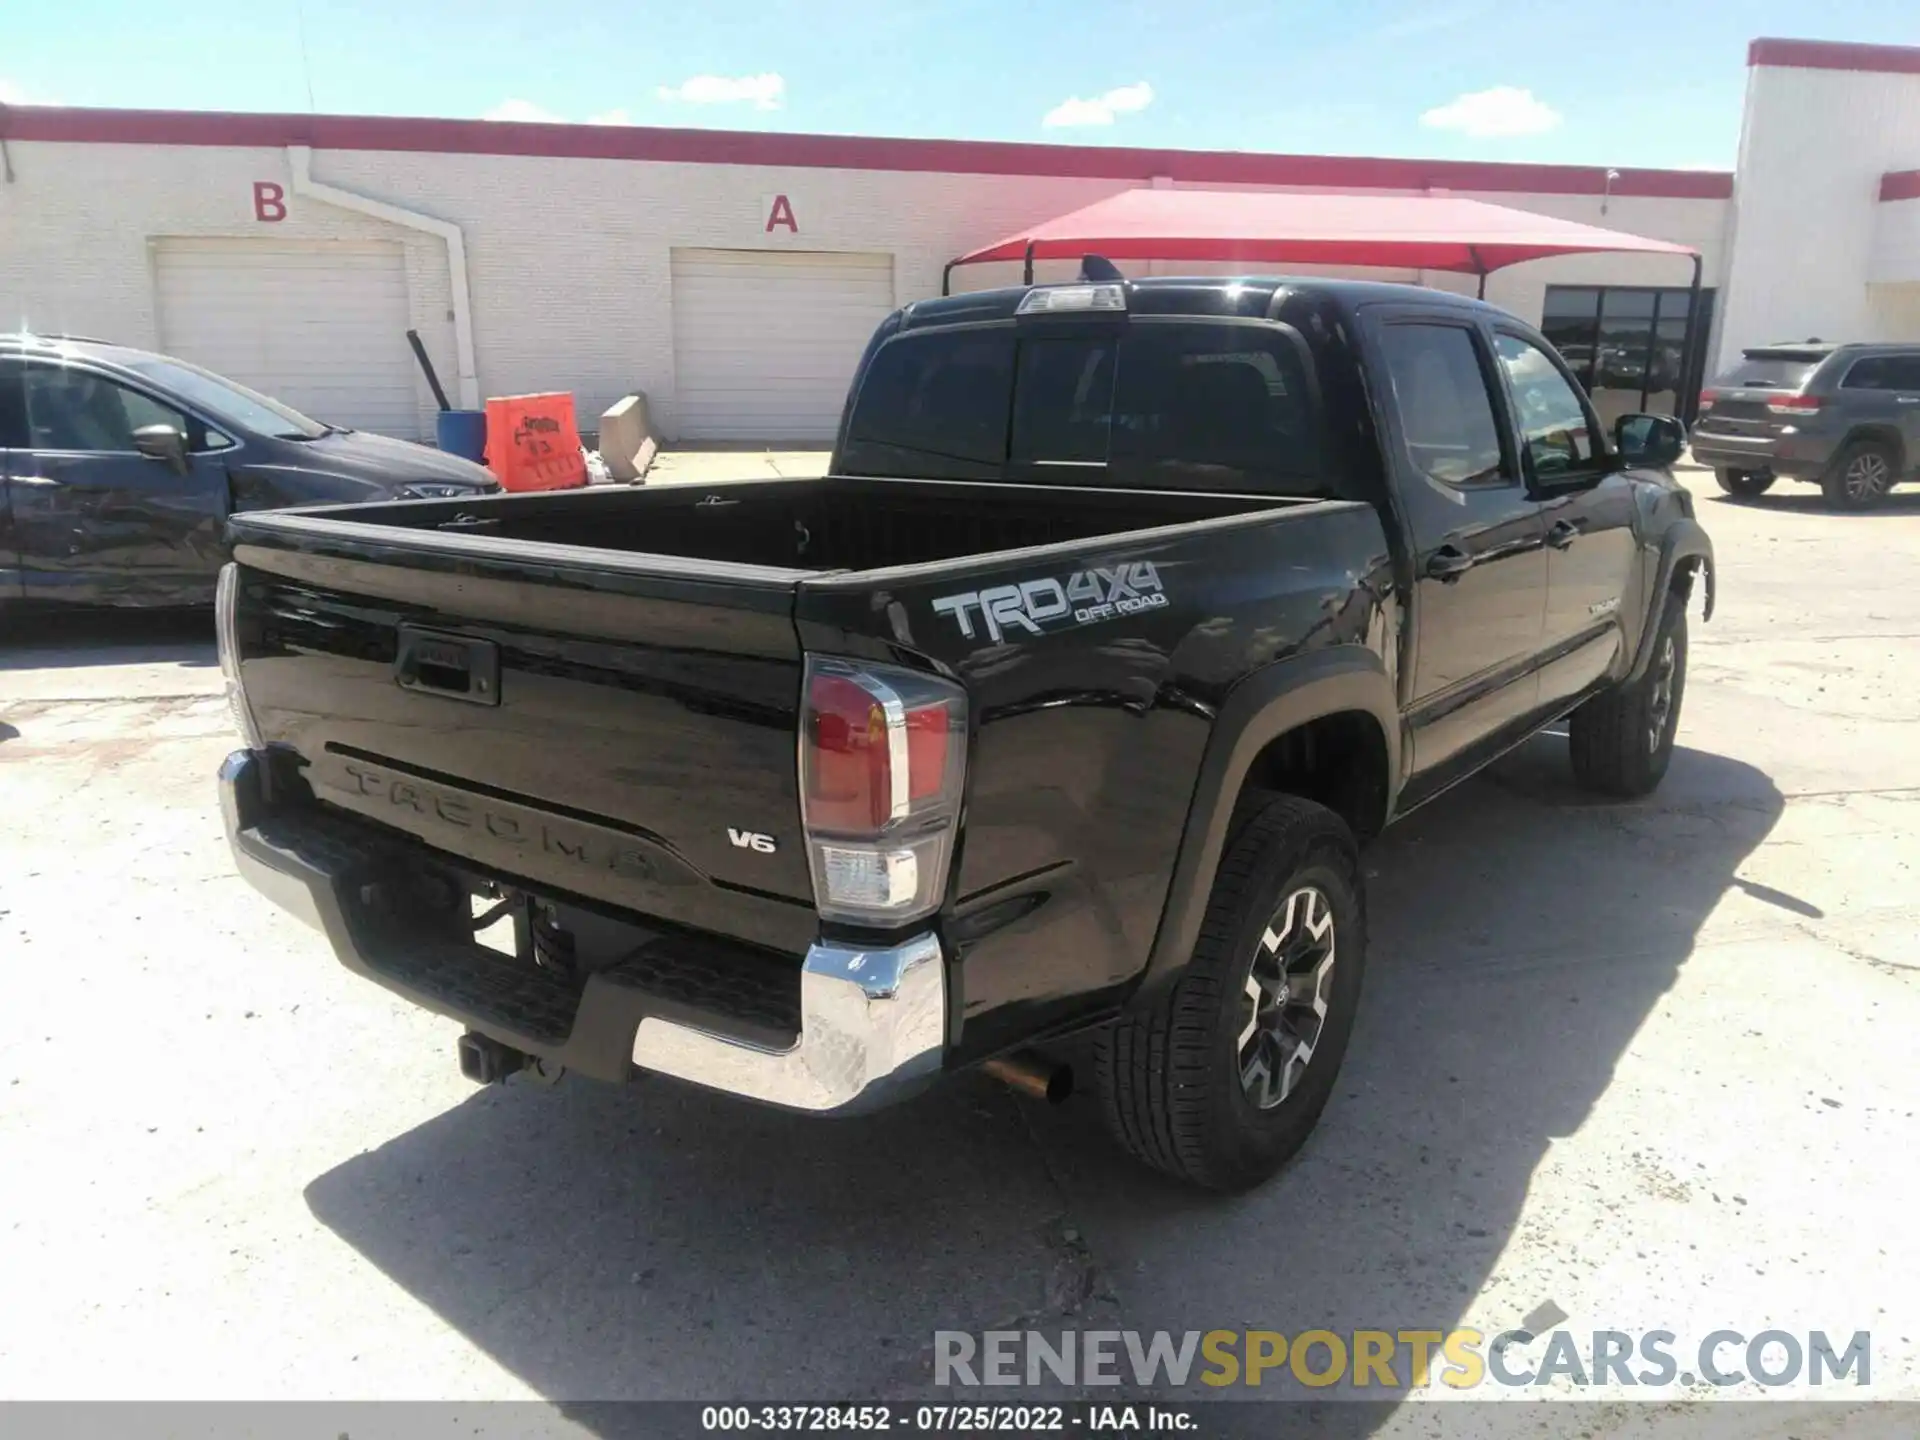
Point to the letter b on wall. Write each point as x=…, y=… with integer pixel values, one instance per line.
x=269, y=201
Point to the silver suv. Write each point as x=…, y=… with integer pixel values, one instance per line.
x=1844, y=417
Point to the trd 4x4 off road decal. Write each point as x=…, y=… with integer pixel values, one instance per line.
x=1036, y=606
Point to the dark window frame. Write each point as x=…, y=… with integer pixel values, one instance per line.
x=1692, y=366
x=15, y=431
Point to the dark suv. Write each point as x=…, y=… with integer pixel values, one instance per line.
x=119, y=467
x=1845, y=417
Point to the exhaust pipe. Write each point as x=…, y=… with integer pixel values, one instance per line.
x=1031, y=1073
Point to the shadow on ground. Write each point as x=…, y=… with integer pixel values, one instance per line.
x=1807, y=500
x=659, y=1242
x=45, y=640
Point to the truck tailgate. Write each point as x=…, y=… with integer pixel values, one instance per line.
x=619, y=732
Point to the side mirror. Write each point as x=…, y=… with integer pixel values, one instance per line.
x=1649, y=439
x=163, y=443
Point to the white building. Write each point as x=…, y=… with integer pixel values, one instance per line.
x=734, y=277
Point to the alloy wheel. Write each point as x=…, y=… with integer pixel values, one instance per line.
x=1660, y=698
x=1287, y=994
x=1868, y=476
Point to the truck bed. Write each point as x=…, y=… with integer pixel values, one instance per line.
x=827, y=524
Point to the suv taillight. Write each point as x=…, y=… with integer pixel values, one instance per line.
x=1707, y=397
x=1793, y=404
x=883, y=758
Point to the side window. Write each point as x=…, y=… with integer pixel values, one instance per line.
x=13, y=409
x=1871, y=373
x=939, y=396
x=1553, y=421
x=69, y=409
x=1906, y=373
x=1217, y=406
x=1063, y=401
x=1444, y=406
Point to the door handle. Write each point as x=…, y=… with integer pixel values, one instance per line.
x=1562, y=533
x=1448, y=564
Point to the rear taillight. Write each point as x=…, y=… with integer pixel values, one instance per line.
x=1793, y=404
x=1707, y=397
x=883, y=755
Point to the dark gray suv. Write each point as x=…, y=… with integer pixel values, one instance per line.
x=1844, y=417
x=119, y=467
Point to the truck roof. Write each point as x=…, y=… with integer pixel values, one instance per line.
x=1248, y=295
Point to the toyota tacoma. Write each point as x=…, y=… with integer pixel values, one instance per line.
x=1059, y=707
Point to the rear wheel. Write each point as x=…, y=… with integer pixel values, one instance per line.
x=1621, y=741
x=1861, y=475
x=1221, y=1081
x=1744, y=483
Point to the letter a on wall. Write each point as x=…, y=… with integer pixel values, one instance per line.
x=780, y=214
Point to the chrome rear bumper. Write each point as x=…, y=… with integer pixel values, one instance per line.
x=872, y=1022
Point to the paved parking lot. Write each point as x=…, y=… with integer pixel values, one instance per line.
x=1652, y=1063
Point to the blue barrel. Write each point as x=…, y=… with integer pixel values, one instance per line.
x=464, y=433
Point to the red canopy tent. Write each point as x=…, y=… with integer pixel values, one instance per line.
x=1422, y=232
x=1254, y=227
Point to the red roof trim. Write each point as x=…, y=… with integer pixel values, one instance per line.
x=1900, y=185
x=846, y=152
x=1835, y=55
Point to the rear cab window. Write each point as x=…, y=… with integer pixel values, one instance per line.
x=1155, y=403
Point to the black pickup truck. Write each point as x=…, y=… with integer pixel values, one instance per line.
x=1127, y=612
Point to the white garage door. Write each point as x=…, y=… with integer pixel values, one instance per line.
x=764, y=342
x=321, y=325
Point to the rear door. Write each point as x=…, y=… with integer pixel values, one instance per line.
x=1476, y=535
x=1587, y=506
x=1884, y=391
x=13, y=443
x=94, y=520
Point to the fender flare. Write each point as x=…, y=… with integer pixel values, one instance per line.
x=1685, y=543
x=1266, y=704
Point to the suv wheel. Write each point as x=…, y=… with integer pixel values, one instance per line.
x=1861, y=475
x=1621, y=741
x=1744, y=483
x=1220, y=1081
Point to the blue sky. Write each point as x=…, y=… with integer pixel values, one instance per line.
x=1621, y=82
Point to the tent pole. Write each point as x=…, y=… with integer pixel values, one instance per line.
x=946, y=277
x=1026, y=277
x=1480, y=268
x=1687, y=401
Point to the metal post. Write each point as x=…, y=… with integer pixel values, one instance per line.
x=1026, y=277
x=1480, y=268
x=1689, y=399
x=946, y=278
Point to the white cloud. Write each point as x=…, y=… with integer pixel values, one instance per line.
x=524, y=110
x=1101, y=109
x=1485, y=114
x=765, y=92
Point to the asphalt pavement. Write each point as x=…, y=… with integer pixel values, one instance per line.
x=1650, y=1065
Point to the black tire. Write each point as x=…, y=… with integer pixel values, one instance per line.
x=1744, y=483
x=1171, y=1076
x=1861, y=475
x=1616, y=748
